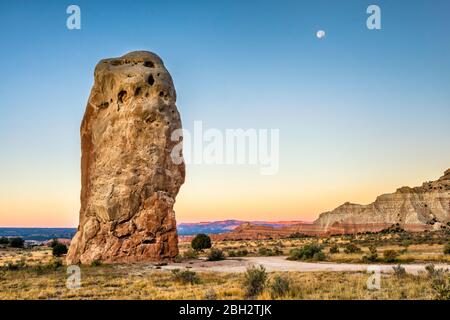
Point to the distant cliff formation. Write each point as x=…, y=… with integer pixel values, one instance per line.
x=413, y=209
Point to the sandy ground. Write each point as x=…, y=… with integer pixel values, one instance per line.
x=280, y=263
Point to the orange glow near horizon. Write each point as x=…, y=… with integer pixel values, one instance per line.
x=209, y=197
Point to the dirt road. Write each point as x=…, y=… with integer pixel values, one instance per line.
x=280, y=263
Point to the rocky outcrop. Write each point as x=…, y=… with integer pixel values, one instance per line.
x=416, y=209
x=413, y=209
x=129, y=179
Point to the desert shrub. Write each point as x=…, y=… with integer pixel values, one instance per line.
x=238, y=253
x=14, y=266
x=232, y=253
x=390, y=255
x=439, y=282
x=307, y=252
x=399, y=271
x=319, y=256
x=16, y=242
x=279, y=287
x=441, y=288
x=447, y=248
x=215, y=255
x=96, y=263
x=432, y=272
x=52, y=265
x=372, y=256
x=200, y=242
x=406, y=243
x=178, y=259
x=334, y=249
x=4, y=240
x=269, y=252
x=185, y=276
x=352, y=248
x=210, y=294
x=254, y=281
x=59, y=249
x=190, y=254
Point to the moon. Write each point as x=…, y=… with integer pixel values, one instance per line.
x=320, y=34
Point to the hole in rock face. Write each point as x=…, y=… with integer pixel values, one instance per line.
x=116, y=62
x=161, y=93
x=137, y=91
x=121, y=96
x=147, y=241
x=149, y=64
x=151, y=80
x=104, y=105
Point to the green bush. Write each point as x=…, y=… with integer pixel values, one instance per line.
x=215, y=255
x=16, y=242
x=269, y=252
x=59, y=249
x=352, y=248
x=334, y=249
x=185, y=276
x=319, y=256
x=279, y=287
x=200, y=242
x=307, y=252
x=238, y=253
x=190, y=254
x=4, y=240
x=390, y=255
x=254, y=281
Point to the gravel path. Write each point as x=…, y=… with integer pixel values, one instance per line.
x=280, y=263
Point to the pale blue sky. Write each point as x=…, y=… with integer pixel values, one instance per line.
x=360, y=112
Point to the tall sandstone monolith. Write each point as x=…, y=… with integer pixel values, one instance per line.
x=129, y=180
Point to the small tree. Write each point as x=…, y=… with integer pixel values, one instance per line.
x=4, y=240
x=59, y=249
x=16, y=242
x=200, y=242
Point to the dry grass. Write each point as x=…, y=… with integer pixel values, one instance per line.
x=130, y=282
x=432, y=253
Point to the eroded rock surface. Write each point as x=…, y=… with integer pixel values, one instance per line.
x=129, y=180
x=416, y=209
x=413, y=209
